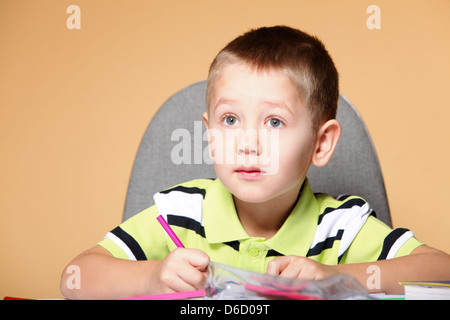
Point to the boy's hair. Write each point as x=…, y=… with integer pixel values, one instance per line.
x=303, y=58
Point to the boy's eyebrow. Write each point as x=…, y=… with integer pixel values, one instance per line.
x=278, y=104
x=225, y=101
x=273, y=104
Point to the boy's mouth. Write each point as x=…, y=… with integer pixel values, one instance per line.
x=249, y=172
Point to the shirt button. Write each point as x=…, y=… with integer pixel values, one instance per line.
x=253, y=252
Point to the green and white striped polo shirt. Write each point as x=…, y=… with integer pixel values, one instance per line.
x=202, y=214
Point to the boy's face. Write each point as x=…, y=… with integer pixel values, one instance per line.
x=260, y=132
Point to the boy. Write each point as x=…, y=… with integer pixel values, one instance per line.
x=271, y=104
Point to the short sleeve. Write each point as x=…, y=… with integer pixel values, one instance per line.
x=377, y=241
x=139, y=238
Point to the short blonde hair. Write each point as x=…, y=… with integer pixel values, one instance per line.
x=303, y=58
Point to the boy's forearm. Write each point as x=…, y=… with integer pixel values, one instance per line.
x=101, y=276
x=424, y=264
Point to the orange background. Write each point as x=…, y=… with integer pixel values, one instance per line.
x=74, y=105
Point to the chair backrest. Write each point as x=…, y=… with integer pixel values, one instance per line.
x=174, y=150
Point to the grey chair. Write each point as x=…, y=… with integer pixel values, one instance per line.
x=173, y=150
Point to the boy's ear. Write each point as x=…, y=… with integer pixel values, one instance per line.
x=327, y=139
x=210, y=147
x=205, y=119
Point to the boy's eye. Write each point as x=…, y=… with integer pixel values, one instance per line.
x=230, y=120
x=275, y=123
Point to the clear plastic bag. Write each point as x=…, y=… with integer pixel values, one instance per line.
x=229, y=283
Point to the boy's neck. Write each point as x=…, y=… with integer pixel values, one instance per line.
x=266, y=218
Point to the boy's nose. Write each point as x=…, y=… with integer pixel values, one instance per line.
x=248, y=142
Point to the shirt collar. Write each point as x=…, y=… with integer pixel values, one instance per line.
x=221, y=221
x=295, y=236
x=297, y=233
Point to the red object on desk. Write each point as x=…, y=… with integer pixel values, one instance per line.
x=15, y=298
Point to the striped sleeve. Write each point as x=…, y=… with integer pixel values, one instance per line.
x=142, y=238
x=182, y=206
x=338, y=225
x=377, y=241
x=394, y=242
x=126, y=243
x=139, y=238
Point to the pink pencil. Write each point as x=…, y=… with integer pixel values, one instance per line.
x=171, y=296
x=169, y=231
x=279, y=293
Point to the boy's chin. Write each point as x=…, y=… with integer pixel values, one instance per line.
x=251, y=195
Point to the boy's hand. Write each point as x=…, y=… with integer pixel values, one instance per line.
x=182, y=270
x=299, y=267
